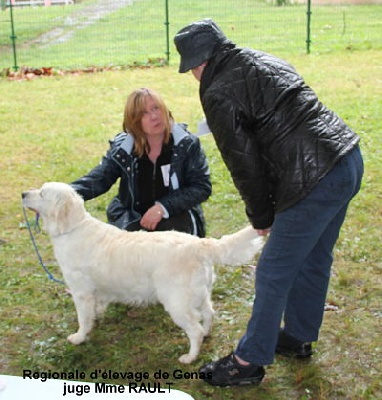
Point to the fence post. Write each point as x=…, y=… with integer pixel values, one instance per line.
x=13, y=37
x=167, y=23
x=309, y=13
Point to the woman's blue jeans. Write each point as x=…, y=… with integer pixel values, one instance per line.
x=293, y=271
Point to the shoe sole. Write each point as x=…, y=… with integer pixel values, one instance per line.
x=242, y=382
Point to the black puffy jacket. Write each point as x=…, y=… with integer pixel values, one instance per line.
x=276, y=138
x=189, y=183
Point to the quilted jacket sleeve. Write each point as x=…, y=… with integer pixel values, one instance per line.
x=99, y=180
x=240, y=152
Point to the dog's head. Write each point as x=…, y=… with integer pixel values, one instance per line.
x=60, y=207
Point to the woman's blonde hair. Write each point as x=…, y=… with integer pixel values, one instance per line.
x=134, y=109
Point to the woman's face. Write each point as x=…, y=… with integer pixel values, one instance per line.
x=153, y=123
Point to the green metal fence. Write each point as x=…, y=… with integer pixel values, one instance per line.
x=69, y=34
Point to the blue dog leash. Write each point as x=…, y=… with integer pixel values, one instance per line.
x=50, y=276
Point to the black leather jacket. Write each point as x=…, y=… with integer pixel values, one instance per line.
x=276, y=138
x=189, y=179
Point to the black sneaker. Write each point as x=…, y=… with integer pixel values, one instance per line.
x=228, y=372
x=288, y=346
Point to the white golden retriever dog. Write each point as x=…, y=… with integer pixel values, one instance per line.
x=102, y=264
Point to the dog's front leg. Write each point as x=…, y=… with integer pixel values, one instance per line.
x=85, y=307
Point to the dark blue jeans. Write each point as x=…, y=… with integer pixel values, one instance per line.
x=293, y=271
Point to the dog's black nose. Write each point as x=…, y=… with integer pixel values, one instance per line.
x=23, y=194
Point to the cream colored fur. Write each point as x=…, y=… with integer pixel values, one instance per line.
x=102, y=264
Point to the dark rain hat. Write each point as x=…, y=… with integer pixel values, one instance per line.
x=197, y=42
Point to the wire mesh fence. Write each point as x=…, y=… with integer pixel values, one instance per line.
x=69, y=34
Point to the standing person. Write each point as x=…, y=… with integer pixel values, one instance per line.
x=296, y=165
x=163, y=171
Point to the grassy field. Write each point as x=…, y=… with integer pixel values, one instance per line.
x=57, y=128
x=87, y=34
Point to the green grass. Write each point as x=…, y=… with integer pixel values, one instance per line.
x=137, y=33
x=57, y=128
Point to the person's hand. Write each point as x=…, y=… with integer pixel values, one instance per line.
x=263, y=232
x=152, y=217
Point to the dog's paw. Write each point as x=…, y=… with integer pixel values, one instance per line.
x=75, y=338
x=186, y=359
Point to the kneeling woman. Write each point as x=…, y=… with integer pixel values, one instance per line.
x=163, y=171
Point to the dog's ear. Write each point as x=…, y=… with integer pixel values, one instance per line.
x=67, y=212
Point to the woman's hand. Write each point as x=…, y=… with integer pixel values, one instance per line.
x=152, y=217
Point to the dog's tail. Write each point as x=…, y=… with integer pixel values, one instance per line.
x=236, y=249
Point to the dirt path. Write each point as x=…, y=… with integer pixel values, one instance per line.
x=80, y=19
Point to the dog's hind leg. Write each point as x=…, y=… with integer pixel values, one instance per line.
x=201, y=297
x=208, y=316
x=188, y=320
x=86, y=313
x=201, y=301
x=100, y=306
